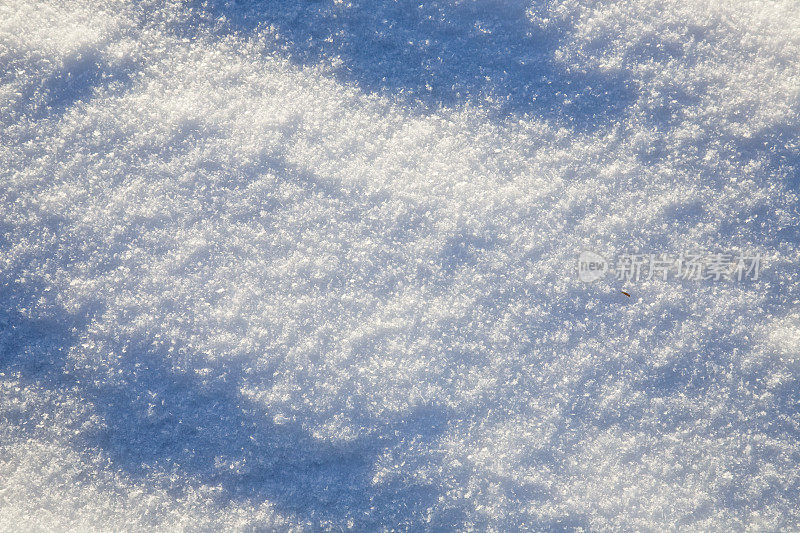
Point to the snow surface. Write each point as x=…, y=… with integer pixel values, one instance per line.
x=311, y=265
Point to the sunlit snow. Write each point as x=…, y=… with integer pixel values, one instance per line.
x=312, y=265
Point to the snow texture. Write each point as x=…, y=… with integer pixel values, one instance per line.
x=311, y=265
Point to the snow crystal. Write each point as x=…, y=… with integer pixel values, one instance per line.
x=291, y=265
